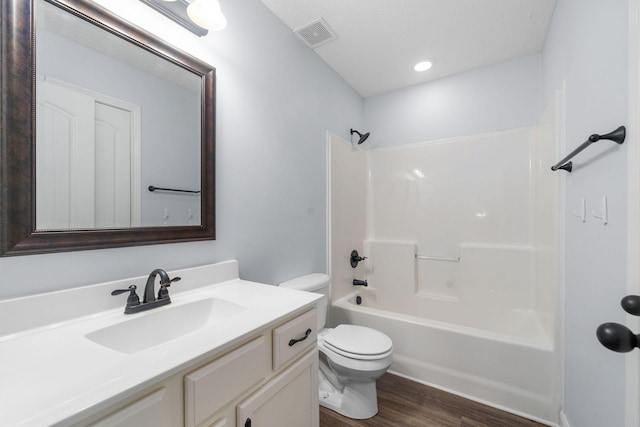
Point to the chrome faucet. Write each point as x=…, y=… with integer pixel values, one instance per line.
x=149, y=301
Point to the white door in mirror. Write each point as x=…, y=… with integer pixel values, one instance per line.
x=64, y=120
x=112, y=167
x=84, y=160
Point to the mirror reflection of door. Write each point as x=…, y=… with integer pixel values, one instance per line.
x=91, y=179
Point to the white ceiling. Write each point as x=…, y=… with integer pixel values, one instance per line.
x=379, y=41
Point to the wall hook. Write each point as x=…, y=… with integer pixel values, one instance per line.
x=582, y=213
x=603, y=215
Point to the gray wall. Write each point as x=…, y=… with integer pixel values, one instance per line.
x=275, y=101
x=587, y=47
x=496, y=97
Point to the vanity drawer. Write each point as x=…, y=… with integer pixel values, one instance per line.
x=292, y=338
x=209, y=388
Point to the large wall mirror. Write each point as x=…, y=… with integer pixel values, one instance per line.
x=107, y=133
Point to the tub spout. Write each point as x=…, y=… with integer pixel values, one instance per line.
x=357, y=282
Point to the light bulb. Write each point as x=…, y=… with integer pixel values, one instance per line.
x=207, y=14
x=423, y=66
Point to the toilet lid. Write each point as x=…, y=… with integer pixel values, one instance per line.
x=358, y=340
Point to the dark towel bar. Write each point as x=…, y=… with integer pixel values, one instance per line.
x=152, y=188
x=616, y=136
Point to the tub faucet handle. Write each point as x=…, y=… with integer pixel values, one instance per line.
x=355, y=258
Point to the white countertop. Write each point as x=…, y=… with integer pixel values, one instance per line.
x=54, y=375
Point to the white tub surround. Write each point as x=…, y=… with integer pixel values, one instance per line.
x=52, y=374
x=461, y=240
x=488, y=288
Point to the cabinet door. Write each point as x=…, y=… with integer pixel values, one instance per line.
x=216, y=384
x=290, y=399
x=149, y=411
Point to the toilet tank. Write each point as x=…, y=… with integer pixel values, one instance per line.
x=315, y=282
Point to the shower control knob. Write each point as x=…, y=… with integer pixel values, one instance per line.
x=355, y=258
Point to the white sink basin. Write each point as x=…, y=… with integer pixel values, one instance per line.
x=143, y=331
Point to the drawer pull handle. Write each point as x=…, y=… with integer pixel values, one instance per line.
x=306, y=335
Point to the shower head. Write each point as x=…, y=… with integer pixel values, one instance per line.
x=363, y=137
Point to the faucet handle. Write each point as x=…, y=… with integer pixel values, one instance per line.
x=163, y=292
x=356, y=258
x=133, y=298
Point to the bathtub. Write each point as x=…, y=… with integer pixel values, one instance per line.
x=503, y=359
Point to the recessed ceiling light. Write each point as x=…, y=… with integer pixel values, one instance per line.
x=423, y=66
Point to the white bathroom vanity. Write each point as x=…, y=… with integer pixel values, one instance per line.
x=225, y=352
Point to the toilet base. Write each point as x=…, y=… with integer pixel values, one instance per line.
x=357, y=400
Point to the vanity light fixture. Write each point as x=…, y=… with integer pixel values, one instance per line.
x=423, y=66
x=197, y=16
x=207, y=14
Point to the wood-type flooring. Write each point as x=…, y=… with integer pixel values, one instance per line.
x=405, y=403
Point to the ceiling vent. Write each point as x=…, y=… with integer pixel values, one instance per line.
x=316, y=33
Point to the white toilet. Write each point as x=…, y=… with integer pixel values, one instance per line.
x=352, y=357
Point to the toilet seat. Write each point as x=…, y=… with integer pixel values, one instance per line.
x=358, y=342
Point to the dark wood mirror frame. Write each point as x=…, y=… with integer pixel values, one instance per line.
x=18, y=235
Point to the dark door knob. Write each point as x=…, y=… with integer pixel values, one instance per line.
x=617, y=337
x=631, y=304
